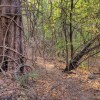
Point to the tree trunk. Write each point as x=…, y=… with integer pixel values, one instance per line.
x=86, y=49
x=11, y=34
x=64, y=28
x=71, y=30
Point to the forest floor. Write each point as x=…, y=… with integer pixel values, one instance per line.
x=49, y=83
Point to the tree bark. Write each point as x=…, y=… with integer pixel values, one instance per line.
x=11, y=34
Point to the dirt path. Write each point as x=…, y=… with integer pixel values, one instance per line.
x=55, y=85
x=52, y=84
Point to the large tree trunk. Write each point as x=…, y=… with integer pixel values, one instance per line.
x=86, y=49
x=11, y=34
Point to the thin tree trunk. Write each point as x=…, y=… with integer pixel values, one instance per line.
x=71, y=31
x=64, y=27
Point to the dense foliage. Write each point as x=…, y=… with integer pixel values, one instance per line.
x=64, y=26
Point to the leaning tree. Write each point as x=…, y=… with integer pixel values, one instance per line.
x=11, y=34
x=92, y=45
